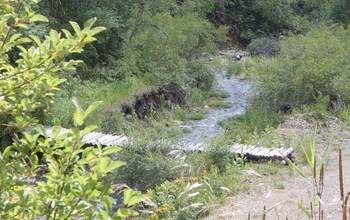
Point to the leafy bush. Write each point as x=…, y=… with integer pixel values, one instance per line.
x=145, y=168
x=200, y=76
x=234, y=68
x=192, y=194
x=305, y=66
x=263, y=47
x=195, y=97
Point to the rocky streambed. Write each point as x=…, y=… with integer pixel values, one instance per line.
x=201, y=131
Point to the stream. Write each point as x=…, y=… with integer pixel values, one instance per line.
x=201, y=131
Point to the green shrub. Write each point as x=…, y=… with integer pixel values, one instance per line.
x=193, y=194
x=234, y=68
x=220, y=94
x=180, y=113
x=264, y=47
x=195, y=97
x=306, y=65
x=145, y=170
x=199, y=75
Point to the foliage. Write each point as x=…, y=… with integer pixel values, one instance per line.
x=234, y=68
x=306, y=67
x=263, y=46
x=165, y=42
x=146, y=168
x=249, y=127
x=67, y=175
x=191, y=195
x=340, y=12
x=27, y=84
x=199, y=75
x=55, y=176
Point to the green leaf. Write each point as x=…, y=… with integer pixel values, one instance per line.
x=137, y=199
x=23, y=40
x=96, y=30
x=54, y=37
x=14, y=37
x=68, y=34
x=87, y=151
x=89, y=23
x=108, y=201
x=104, y=214
x=123, y=212
x=55, y=82
x=88, y=129
x=110, y=150
x=22, y=25
x=103, y=164
x=92, y=107
x=53, y=170
x=128, y=193
x=79, y=116
x=38, y=18
x=75, y=27
x=75, y=102
x=114, y=165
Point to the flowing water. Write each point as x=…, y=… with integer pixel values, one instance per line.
x=204, y=130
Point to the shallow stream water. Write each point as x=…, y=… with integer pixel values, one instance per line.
x=204, y=130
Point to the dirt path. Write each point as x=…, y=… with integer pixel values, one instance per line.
x=271, y=190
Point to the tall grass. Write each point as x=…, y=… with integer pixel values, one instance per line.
x=316, y=182
x=251, y=125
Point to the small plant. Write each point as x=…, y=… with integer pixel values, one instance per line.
x=217, y=103
x=180, y=113
x=344, y=198
x=196, y=116
x=234, y=68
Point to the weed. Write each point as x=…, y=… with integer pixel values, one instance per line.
x=249, y=127
x=196, y=116
x=234, y=68
x=217, y=103
x=180, y=113
x=220, y=94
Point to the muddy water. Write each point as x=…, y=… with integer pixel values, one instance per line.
x=208, y=128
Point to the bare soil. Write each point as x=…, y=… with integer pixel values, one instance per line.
x=277, y=190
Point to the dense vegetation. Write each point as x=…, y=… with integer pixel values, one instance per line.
x=300, y=50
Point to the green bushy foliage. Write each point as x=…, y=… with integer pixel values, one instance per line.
x=195, y=97
x=191, y=195
x=234, y=68
x=145, y=169
x=263, y=47
x=200, y=76
x=42, y=176
x=165, y=42
x=306, y=65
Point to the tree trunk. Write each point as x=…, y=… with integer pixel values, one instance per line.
x=138, y=20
